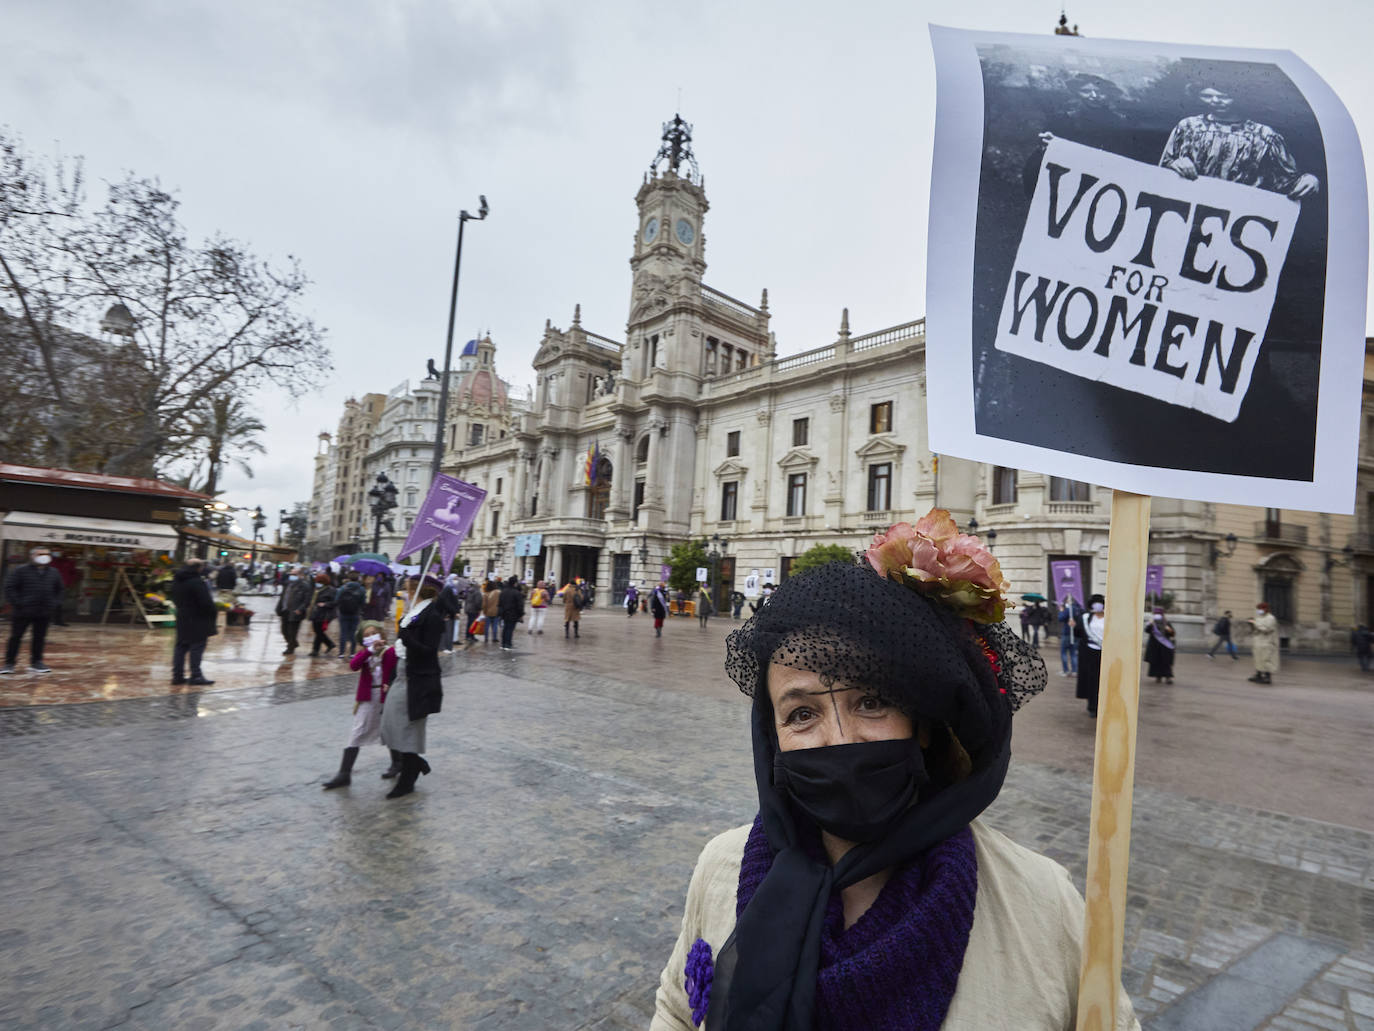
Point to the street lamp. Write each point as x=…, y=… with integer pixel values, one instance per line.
x=463, y=219
x=1231, y=541
x=259, y=521
x=717, y=552
x=383, y=495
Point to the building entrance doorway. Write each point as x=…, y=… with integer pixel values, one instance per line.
x=620, y=577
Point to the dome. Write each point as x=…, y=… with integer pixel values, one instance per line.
x=118, y=320
x=470, y=348
x=481, y=387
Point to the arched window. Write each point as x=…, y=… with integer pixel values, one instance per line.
x=600, y=493
x=642, y=450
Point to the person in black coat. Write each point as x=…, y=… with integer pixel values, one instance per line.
x=33, y=591
x=226, y=577
x=196, y=615
x=511, y=606
x=421, y=694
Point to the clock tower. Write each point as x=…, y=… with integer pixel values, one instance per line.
x=669, y=249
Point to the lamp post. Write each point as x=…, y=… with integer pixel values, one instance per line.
x=259, y=521
x=463, y=219
x=383, y=495
x=644, y=557
x=717, y=552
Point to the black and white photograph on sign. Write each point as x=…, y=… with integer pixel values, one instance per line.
x=1151, y=242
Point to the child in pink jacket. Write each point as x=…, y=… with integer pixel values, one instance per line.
x=376, y=663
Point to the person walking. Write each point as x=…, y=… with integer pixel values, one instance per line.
x=196, y=617
x=658, y=607
x=631, y=600
x=705, y=608
x=1360, y=640
x=1221, y=633
x=473, y=599
x=736, y=603
x=1090, y=652
x=292, y=607
x=574, y=601
x=33, y=591
x=1070, y=630
x=1159, y=649
x=321, y=612
x=1025, y=622
x=420, y=694
x=539, y=608
x=511, y=606
x=349, y=605
x=491, y=612
x=1264, y=648
x=376, y=664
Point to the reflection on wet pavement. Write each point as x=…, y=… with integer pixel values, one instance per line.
x=93, y=663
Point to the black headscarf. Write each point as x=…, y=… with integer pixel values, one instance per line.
x=847, y=624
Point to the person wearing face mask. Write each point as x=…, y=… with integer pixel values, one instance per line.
x=1090, y=652
x=375, y=663
x=1264, y=646
x=292, y=606
x=32, y=591
x=867, y=894
x=1159, y=647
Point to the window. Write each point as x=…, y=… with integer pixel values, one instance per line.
x=499, y=481
x=796, y=494
x=1003, y=485
x=1062, y=489
x=639, y=499
x=642, y=450
x=732, y=444
x=475, y=434
x=801, y=430
x=741, y=359
x=880, y=418
x=729, y=500
x=880, y=487
x=495, y=523
x=786, y=567
x=711, y=344
x=411, y=497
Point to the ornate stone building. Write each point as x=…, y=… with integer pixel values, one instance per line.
x=688, y=425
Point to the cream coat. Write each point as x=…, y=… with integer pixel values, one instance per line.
x=1265, y=645
x=1020, y=971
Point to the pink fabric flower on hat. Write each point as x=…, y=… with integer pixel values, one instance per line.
x=950, y=567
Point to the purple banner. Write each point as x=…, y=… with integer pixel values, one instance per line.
x=665, y=571
x=1154, y=580
x=446, y=516
x=1068, y=580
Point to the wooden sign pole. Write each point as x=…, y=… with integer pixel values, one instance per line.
x=1109, y=835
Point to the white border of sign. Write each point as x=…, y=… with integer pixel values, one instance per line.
x=949, y=317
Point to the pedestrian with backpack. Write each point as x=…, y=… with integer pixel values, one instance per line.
x=349, y=605
x=575, y=598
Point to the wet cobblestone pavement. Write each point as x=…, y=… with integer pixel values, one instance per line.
x=173, y=863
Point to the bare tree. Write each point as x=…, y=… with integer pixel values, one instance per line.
x=206, y=320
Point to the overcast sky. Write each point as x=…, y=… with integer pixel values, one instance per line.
x=350, y=134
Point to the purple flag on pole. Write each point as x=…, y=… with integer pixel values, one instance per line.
x=1068, y=580
x=446, y=516
x=665, y=571
x=1154, y=580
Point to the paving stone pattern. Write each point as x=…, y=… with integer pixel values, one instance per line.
x=161, y=872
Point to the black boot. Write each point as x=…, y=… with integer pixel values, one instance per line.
x=565, y=629
x=395, y=767
x=411, y=767
x=344, y=777
x=577, y=632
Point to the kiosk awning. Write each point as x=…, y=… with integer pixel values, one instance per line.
x=56, y=530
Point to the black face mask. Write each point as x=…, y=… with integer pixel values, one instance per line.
x=856, y=792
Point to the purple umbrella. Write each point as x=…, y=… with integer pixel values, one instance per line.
x=370, y=567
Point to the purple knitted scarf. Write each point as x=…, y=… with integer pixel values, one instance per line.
x=898, y=966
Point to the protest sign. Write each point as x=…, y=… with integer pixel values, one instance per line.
x=1148, y=268
x=702, y=573
x=1154, y=581
x=1067, y=575
x=445, y=518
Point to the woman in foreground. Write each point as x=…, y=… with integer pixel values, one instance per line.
x=866, y=894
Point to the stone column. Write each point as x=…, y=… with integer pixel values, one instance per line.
x=520, y=503
x=624, y=476
x=654, y=471
x=837, y=466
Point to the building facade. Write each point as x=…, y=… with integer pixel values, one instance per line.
x=688, y=425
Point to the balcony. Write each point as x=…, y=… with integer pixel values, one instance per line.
x=1072, y=508
x=1271, y=532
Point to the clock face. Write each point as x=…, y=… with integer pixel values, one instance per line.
x=685, y=233
x=650, y=230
